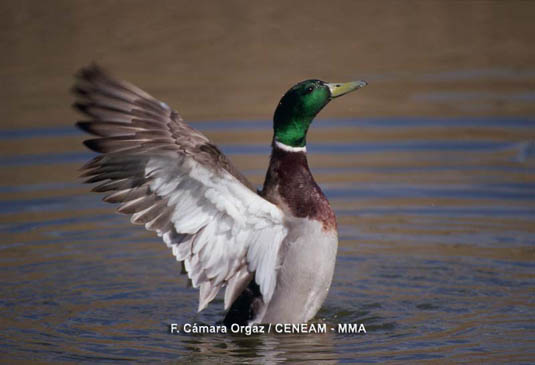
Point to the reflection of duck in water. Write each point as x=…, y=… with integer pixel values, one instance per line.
x=273, y=251
x=261, y=349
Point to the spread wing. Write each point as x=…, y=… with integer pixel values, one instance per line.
x=170, y=178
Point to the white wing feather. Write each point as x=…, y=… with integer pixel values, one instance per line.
x=228, y=223
x=175, y=182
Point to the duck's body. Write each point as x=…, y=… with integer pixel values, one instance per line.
x=274, y=251
x=305, y=275
x=308, y=253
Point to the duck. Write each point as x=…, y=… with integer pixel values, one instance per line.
x=273, y=250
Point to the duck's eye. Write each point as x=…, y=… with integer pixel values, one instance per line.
x=309, y=90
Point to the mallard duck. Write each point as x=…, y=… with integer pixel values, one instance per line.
x=274, y=250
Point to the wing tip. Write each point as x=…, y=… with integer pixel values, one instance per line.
x=208, y=291
x=85, y=126
x=90, y=72
x=94, y=144
x=202, y=306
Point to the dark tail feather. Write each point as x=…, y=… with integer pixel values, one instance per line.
x=246, y=307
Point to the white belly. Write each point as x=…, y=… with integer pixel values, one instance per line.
x=303, y=281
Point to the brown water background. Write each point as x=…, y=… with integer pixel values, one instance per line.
x=430, y=170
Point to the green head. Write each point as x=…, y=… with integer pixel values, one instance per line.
x=301, y=103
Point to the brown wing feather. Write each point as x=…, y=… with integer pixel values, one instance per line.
x=126, y=117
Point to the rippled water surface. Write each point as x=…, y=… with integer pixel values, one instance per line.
x=436, y=255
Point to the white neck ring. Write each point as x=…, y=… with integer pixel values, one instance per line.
x=287, y=148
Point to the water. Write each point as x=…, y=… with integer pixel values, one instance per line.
x=436, y=256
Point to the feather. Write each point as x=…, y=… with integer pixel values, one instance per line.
x=161, y=222
x=108, y=129
x=137, y=205
x=237, y=283
x=127, y=194
x=172, y=179
x=149, y=213
x=208, y=291
x=120, y=184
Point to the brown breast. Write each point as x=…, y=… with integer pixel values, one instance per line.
x=290, y=185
